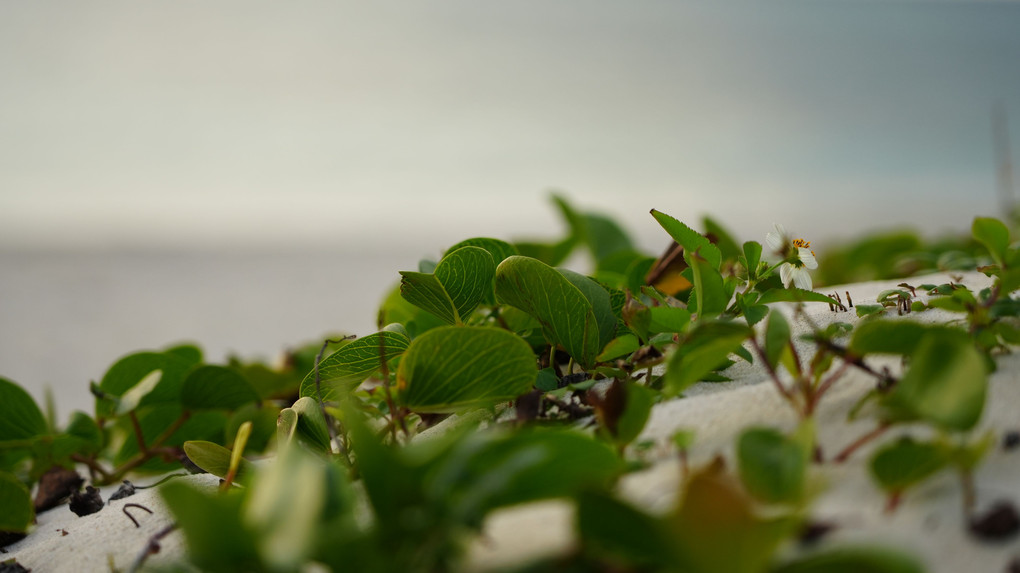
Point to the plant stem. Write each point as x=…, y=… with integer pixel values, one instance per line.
x=856, y=444
x=149, y=452
x=772, y=371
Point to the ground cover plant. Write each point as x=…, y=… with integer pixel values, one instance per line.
x=498, y=378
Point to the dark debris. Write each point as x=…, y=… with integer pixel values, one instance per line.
x=87, y=502
x=999, y=523
x=55, y=486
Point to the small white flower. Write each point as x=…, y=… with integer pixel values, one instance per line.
x=798, y=258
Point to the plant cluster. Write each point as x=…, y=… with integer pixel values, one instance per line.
x=497, y=378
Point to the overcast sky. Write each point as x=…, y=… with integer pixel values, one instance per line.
x=410, y=123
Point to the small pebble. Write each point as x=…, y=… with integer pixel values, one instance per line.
x=998, y=523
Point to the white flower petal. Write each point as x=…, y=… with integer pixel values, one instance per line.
x=786, y=274
x=802, y=279
x=807, y=258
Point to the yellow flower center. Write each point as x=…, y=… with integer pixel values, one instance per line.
x=801, y=244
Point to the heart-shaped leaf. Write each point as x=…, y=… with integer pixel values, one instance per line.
x=461, y=281
x=216, y=387
x=342, y=371
x=565, y=313
x=456, y=367
x=20, y=417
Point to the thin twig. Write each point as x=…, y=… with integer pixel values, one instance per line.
x=131, y=517
x=853, y=447
x=772, y=371
x=151, y=548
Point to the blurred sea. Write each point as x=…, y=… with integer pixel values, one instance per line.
x=65, y=317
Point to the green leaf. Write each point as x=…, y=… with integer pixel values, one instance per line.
x=20, y=417
x=863, y=310
x=426, y=292
x=793, y=294
x=892, y=336
x=462, y=280
x=772, y=466
x=601, y=304
x=608, y=527
x=722, y=239
x=854, y=560
x=217, y=537
x=263, y=419
x=458, y=367
x=565, y=313
x=286, y=426
x=668, y=319
x=689, y=239
x=777, y=337
x=342, y=371
x=284, y=509
x=945, y=385
x=129, y=370
x=905, y=462
x=490, y=470
x=622, y=346
x=704, y=352
x=18, y=513
x=466, y=275
x=994, y=235
x=497, y=248
x=203, y=425
x=637, y=409
x=709, y=289
x=85, y=429
x=395, y=308
x=215, y=459
x=216, y=388
x=717, y=529
x=752, y=256
x=311, y=428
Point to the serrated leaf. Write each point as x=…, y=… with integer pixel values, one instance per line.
x=458, y=367
x=342, y=371
x=793, y=295
x=216, y=388
x=566, y=315
x=772, y=466
x=994, y=235
x=20, y=417
x=689, y=239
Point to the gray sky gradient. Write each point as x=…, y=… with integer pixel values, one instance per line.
x=416, y=124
